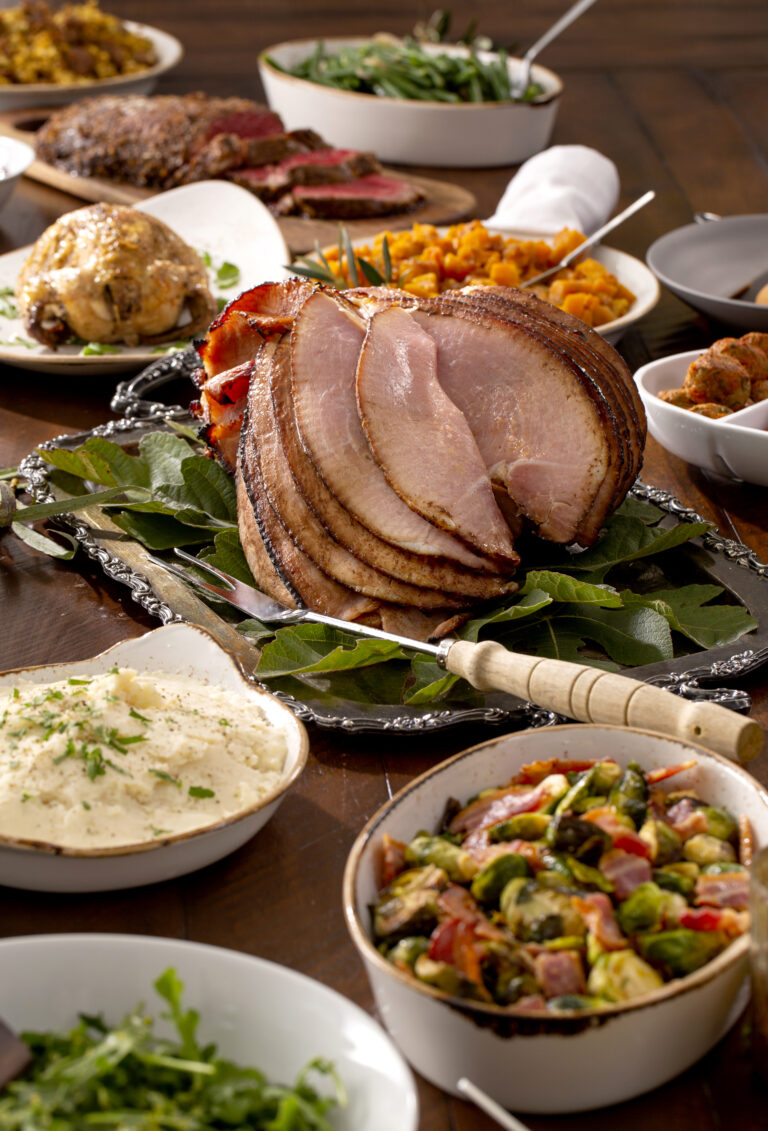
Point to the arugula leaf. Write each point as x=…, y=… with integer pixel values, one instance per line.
x=227, y=275
x=98, y=349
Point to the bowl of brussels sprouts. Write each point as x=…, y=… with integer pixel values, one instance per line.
x=559, y=898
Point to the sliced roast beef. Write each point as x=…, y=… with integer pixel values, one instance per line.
x=374, y=195
x=326, y=343
x=321, y=167
x=421, y=439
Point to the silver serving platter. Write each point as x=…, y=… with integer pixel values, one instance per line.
x=700, y=676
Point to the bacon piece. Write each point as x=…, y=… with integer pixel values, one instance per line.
x=531, y=1003
x=625, y=870
x=726, y=889
x=686, y=818
x=534, y=772
x=622, y=836
x=664, y=772
x=496, y=806
x=478, y=845
x=560, y=972
x=596, y=910
x=392, y=859
x=731, y=922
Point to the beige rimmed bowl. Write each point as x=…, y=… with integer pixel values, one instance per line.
x=175, y=649
x=168, y=51
x=573, y=1061
x=461, y=135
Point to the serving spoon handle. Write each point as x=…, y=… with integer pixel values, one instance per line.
x=592, y=695
x=573, y=13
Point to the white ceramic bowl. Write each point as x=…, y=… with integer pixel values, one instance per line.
x=572, y=1061
x=167, y=48
x=467, y=135
x=178, y=649
x=256, y=1012
x=703, y=264
x=735, y=447
x=15, y=159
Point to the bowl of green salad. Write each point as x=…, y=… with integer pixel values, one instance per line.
x=443, y=105
x=557, y=899
x=130, y=1030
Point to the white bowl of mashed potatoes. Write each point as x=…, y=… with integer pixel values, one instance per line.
x=151, y=760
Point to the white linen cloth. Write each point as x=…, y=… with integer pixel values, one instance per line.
x=565, y=186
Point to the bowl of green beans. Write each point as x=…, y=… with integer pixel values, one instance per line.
x=413, y=103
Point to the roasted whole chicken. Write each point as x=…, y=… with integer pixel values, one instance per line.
x=109, y=273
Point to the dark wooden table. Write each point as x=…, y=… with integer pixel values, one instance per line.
x=676, y=93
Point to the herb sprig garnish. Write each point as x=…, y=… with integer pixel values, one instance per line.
x=127, y=1077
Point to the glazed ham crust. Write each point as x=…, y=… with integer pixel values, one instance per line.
x=382, y=432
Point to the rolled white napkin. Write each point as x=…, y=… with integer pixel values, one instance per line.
x=566, y=186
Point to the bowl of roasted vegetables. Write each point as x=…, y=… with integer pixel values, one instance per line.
x=556, y=900
x=710, y=407
x=128, y=1031
x=412, y=103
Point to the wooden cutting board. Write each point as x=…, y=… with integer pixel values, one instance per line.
x=444, y=203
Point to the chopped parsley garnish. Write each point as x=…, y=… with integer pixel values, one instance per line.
x=200, y=791
x=135, y=715
x=165, y=776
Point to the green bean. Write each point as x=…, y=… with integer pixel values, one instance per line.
x=405, y=70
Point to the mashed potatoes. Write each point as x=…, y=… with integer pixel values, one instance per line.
x=123, y=758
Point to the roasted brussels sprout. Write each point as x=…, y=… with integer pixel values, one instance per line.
x=523, y=826
x=679, y=877
x=444, y=977
x=665, y=844
x=408, y=906
x=720, y=867
x=641, y=910
x=407, y=950
x=488, y=885
x=581, y=787
x=534, y=913
x=582, y=839
x=443, y=853
x=680, y=951
x=703, y=848
x=630, y=794
x=606, y=774
x=720, y=823
x=620, y=975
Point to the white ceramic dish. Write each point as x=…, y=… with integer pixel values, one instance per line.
x=631, y=272
x=467, y=135
x=216, y=217
x=167, y=48
x=256, y=1012
x=735, y=446
x=178, y=649
x=703, y=264
x=536, y=1062
x=15, y=159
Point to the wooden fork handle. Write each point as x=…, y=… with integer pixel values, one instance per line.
x=592, y=695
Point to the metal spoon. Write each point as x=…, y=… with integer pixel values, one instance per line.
x=595, y=238
x=504, y=1118
x=573, y=13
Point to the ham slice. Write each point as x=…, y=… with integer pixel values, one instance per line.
x=326, y=344
x=271, y=380
x=421, y=439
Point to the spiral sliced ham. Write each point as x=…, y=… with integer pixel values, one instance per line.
x=393, y=447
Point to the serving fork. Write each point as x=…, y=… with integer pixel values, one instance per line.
x=577, y=691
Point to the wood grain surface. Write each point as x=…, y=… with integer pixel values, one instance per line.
x=675, y=92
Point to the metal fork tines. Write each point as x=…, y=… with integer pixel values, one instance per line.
x=240, y=596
